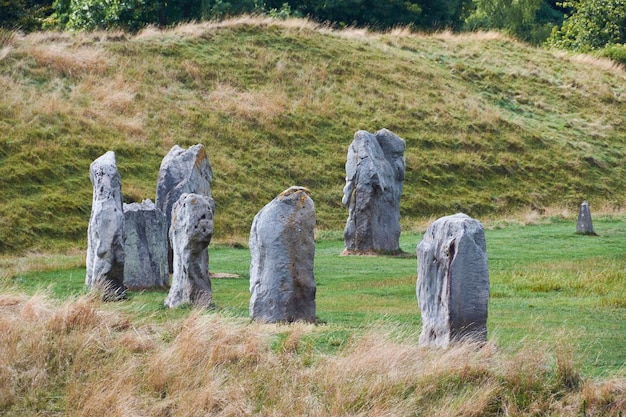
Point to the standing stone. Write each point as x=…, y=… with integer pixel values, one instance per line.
x=282, y=247
x=182, y=171
x=584, y=226
x=105, y=246
x=145, y=246
x=375, y=170
x=190, y=234
x=453, y=281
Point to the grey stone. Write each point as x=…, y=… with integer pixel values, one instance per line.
x=375, y=169
x=105, y=246
x=182, y=171
x=584, y=225
x=190, y=234
x=145, y=246
x=282, y=246
x=453, y=281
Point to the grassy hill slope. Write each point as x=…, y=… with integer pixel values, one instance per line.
x=492, y=125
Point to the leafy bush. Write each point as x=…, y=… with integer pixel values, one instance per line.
x=283, y=13
x=361, y=12
x=218, y=9
x=25, y=15
x=98, y=14
x=592, y=25
x=134, y=14
x=615, y=52
x=528, y=20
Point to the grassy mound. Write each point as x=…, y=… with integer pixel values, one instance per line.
x=492, y=125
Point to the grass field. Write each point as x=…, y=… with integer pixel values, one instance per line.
x=557, y=331
x=546, y=282
x=493, y=128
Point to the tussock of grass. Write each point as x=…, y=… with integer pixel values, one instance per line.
x=96, y=362
x=69, y=62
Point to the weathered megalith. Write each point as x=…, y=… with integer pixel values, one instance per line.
x=145, y=246
x=105, y=246
x=453, y=281
x=374, y=175
x=190, y=234
x=584, y=225
x=182, y=171
x=282, y=246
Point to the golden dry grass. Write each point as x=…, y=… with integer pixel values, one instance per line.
x=604, y=64
x=4, y=51
x=194, y=30
x=70, y=62
x=262, y=106
x=474, y=36
x=81, y=358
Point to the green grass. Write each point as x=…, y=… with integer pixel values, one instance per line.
x=492, y=126
x=547, y=284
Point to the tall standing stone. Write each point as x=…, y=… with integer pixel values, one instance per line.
x=182, y=171
x=190, y=234
x=453, y=281
x=375, y=169
x=145, y=246
x=105, y=246
x=282, y=247
x=584, y=225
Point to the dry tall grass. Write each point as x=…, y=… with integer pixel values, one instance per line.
x=82, y=359
x=604, y=64
x=262, y=107
x=199, y=29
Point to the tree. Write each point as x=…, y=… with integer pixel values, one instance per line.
x=444, y=14
x=217, y=9
x=527, y=20
x=593, y=24
x=135, y=14
x=24, y=15
x=421, y=14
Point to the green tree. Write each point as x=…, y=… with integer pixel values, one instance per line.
x=104, y=14
x=593, y=24
x=24, y=15
x=444, y=14
x=135, y=14
x=217, y=9
x=421, y=14
x=527, y=20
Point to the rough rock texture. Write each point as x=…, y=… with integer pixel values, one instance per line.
x=282, y=247
x=182, y=171
x=190, y=234
x=375, y=170
x=105, y=246
x=453, y=281
x=145, y=246
x=584, y=225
